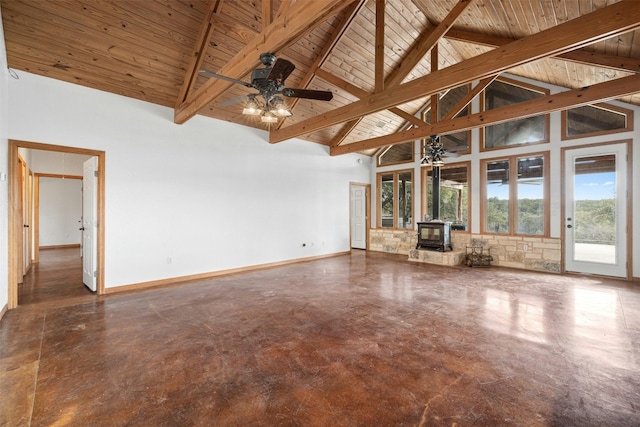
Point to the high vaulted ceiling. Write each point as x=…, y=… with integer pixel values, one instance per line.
x=383, y=60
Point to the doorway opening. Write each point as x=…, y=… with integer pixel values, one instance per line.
x=21, y=243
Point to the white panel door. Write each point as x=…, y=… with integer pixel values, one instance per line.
x=595, y=228
x=358, y=216
x=89, y=222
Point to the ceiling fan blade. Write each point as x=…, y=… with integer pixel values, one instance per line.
x=281, y=70
x=206, y=73
x=456, y=148
x=232, y=101
x=321, y=95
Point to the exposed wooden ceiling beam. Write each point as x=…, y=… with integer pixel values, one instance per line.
x=583, y=31
x=573, y=98
x=345, y=131
x=466, y=100
x=379, y=47
x=581, y=56
x=197, y=55
x=284, y=5
x=300, y=18
x=428, y=39
x=434, y=96
x=361, y=93
x=267, y=13
x=349, y=15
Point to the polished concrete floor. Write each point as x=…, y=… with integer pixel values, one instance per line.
x=366, y=339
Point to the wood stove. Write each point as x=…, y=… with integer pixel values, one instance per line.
x=434, y=235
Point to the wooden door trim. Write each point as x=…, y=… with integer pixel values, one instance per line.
x=15, y=225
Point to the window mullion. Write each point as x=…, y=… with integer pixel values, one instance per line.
x=396, y=199
x=513, y=196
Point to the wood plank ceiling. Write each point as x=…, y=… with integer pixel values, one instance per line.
x=383, y=60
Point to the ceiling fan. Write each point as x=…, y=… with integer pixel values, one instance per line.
x=269, y=81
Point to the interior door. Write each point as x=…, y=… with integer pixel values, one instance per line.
x=595, y=229
x=89, y=222
x=22, y=191
x=358, y=216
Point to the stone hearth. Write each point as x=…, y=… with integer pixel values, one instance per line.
x=449, y=258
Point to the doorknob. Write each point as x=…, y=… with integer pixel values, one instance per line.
x=81, y=228
x=26, y=226
x=569, y=226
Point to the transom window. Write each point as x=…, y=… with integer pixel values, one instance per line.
x=514, y=195
x=458, y=142
x=532, y=130
x=394, y=154
x=597, y=119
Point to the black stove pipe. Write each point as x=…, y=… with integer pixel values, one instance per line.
x=435, y=192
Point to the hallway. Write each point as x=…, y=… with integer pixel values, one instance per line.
x=55, y=280
x=358, y=340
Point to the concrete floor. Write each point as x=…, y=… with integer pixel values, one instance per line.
x=367, y=339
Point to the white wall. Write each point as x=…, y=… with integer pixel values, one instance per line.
x=60, y=201
x=55, y=162
x=4, y=164
x=60, y=211
x=206, y=196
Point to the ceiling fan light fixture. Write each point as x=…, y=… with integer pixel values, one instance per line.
x=433, y=151
x=269, y=117
x=269, y=81
x=252, y=108
x=280, y=108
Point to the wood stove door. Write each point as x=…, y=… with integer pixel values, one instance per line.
x=595, y=210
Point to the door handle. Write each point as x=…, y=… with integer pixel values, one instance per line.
x=569, y=226
x=81, y=228
x=26, y=226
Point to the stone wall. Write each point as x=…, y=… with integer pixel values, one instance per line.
x=392, y=241
x=527, y=253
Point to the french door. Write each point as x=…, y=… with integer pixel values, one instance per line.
x=595, y=210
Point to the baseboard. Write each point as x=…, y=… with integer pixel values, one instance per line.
x=72, y=245
x=3, y=311
x=182, y=279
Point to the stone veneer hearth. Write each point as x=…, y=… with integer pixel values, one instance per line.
x=527, y=253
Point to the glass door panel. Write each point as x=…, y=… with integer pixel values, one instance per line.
x=595, y=210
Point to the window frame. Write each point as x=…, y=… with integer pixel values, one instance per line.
x=527, y=86
x=424, y=186
x=389, y=147
x=513, y=194
x=564, y=132
x=396, y=182
x=428, y=111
